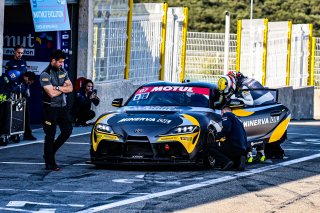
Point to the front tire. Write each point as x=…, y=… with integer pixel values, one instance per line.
x=208, y=159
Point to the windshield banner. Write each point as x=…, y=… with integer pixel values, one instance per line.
x=196, y=90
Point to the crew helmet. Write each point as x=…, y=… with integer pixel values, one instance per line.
x=13, y=75
x=227, y=85
x=236, y=75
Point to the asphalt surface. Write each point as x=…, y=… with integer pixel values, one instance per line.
x=289, y=185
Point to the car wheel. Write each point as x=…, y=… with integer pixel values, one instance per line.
x=4, y=141
x=208, y=159
x=15, y=138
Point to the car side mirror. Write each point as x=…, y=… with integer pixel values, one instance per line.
x=236, y=103
x=117, y=102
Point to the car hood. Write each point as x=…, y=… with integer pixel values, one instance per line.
x=149, y=120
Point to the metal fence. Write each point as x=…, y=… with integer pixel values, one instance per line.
x=146, y=42
x=109, y=40
x=264, y=51
x=205, y=56
x=317, y=63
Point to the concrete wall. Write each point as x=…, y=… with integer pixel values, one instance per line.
x=1, y=32
x=316, y=107
x=285, y=96
x=109, y=91
x=303, y=102
x=300, y=101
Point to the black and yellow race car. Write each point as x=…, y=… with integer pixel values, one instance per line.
x=166, y=122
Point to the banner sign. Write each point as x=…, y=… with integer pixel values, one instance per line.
x=37, y=46
x=50, y=15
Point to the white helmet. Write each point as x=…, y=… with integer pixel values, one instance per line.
x=227, y=85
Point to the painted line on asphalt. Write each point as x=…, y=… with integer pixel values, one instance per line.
x=23, y=203
x=34, y=163
x=78, y=143
x=68, y=191
x=307, y=150
x=38, y=141
x=198, y=185
x=302, y=134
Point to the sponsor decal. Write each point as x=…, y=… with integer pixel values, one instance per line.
x=261, y=121
x=159, y=120
x=196, y=90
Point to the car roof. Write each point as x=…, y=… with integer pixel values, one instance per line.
x=187, y=84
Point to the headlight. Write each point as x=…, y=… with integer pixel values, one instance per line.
x=104, y=128
x=183, y=130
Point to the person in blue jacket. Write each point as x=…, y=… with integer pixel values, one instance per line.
x=230, y=150
x=17, y=63
x=81, y=109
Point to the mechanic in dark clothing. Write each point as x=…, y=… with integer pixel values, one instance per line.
x=56, y=84
x=28, y=79
x=17, y=63
x=81, y=109
x=230, y=150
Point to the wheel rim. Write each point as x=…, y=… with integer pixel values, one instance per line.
x=211, y=160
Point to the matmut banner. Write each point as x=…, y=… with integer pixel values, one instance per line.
x=196, y=90
x=50, y=15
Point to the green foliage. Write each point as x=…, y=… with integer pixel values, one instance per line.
x=209, y=15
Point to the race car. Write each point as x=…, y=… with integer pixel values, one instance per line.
x=169, y=123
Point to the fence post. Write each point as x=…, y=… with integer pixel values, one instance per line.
x=310, y=73
x=163, y=40
x=184, y=43
x=265, y=52
x=128, y=42
x=313, y=56
x=226, y=43
x=238, y=51
x=289, y=53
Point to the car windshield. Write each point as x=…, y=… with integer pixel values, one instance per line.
x=170, y=96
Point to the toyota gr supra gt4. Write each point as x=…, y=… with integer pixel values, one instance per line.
x=168, y=123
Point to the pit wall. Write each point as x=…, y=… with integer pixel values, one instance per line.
x=107, y=92
x=301, y=102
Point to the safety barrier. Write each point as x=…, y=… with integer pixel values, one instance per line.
x=299, y=55
x=316, y=62
x=277, y=54
x=205, y=56
x=174, y=44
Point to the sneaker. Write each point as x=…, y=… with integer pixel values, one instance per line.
x=228, y=166
x=250, y=159
x=260, y=157
x=52, y=168
x=29, y=138
x=242, y=163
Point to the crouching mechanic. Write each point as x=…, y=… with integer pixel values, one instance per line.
x=230, y=149
x=236, y=87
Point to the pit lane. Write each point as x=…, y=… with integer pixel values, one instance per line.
x=80, y=187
